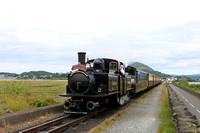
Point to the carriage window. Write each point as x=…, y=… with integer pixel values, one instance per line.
x=113, y=66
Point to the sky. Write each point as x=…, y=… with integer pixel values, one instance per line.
x=47, y=34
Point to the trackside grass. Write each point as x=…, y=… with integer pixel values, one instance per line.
x=165, y=115
x=18, y=95
x=103, y=126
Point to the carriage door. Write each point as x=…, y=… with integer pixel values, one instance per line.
x=121, y=85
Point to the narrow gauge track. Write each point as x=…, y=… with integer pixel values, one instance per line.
x=46, y=125
x=60, y=124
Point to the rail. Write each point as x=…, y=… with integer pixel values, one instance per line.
x=45, y=125
x=63, y=127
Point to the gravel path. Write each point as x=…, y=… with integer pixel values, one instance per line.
x=142, y=117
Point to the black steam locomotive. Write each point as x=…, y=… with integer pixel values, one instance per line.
x=99, y=82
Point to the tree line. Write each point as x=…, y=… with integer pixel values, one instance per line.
x=37, y=75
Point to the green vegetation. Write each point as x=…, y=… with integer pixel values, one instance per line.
x=181, y=78
x=21, y=95
x=146, y=68
x=184, y=83
x=165, y=115
x=36, y=75
x=9, y=74
x=43, y=75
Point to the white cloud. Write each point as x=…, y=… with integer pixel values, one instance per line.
x=25, y=67
x=179, y=64
x=49, y=33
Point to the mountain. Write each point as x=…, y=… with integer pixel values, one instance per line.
x=195, y=76
x=148, y=69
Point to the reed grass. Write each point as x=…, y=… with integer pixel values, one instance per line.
x=18, y=95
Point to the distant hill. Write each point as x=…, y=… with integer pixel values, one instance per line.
x=194, y=76
x=36, y=75
x=148, y=69
x=43, y=75
x=9, y=74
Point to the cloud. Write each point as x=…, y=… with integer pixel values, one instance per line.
x=25, y=67
x=48, y=34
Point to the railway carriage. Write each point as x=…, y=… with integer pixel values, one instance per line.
x=150, y=80
x=142, y=81
x=102, y=81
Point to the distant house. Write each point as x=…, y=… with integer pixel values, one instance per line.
x=43, y=76
x=25, y=76
x=2, y=76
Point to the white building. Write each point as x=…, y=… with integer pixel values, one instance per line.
x=2, y=76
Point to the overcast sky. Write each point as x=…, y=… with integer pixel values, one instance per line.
x=47, y=34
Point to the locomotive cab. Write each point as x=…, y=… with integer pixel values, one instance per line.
x=98, y=64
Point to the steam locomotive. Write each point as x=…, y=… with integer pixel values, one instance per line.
x=102, y=81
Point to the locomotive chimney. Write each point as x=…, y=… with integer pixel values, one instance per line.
x=81, y=57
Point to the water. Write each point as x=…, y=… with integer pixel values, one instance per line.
x=194, y=83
